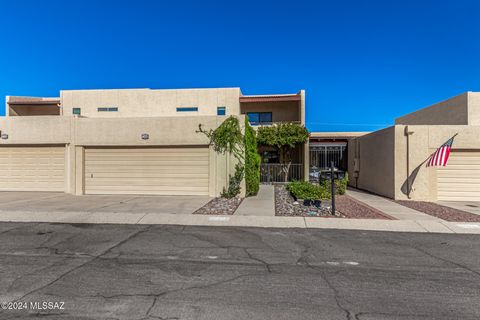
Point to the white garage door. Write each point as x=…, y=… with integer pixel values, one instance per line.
x=460, y=179
x=161, y=171
x=32, y=168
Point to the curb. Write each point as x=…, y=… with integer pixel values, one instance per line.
x=242, y=221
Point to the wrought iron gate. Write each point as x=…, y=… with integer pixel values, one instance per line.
x=321, y=157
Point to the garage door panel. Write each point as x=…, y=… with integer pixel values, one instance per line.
x=149, y=163
x=120, y=170
x=168, y=171
x=32, y=168
x=147, y=175
x=147, y=182
x=460, y=179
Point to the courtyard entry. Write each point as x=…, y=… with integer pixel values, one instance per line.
x=322, y=154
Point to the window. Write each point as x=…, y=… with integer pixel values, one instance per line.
x=221, y=111
x=257, y=118
x=192, y=109
x=111, y=109
x=76, y=111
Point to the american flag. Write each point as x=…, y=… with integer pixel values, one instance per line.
x=440, y=157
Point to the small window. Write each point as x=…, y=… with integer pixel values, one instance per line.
x=111, y=109
x=265, y=117
x=77, y=111
x=221, y=111
x=193, y=109
x=258, y=118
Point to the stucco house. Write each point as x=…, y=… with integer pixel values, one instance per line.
x=143, y=141
x=392, y=161
x=132, y=141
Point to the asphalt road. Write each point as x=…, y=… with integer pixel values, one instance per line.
x=174, y=272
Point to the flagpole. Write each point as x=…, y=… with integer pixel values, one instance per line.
x=408, y=134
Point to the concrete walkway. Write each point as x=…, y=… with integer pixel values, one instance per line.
x=389, y=207
x=263, y=204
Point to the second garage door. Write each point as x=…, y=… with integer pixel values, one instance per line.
x=460, y=179
x=32, y=168
x=160, y=171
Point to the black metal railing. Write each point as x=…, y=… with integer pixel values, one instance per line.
x=278, y=172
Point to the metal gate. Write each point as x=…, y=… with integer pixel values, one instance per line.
x=321, y=156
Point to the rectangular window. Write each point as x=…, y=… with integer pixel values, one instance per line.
x=192, y=109
x=258, y=118
x=76, y=111
x=221, y=111
x=111, y=109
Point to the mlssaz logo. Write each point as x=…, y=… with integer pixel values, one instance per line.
x=47, y=305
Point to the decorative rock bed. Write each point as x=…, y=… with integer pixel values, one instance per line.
x=285, y=205
x=439, y=211
x=220, y=206
x=346, y=206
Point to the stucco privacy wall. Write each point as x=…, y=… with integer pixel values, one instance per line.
x=36, y=130
x=77, y=133
x=463, y=109
x=424, y=141
x=375, y=156
x=150, y=103
x=383, y=158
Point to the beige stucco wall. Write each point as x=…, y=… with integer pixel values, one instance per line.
x=453, y=111
x=474, y=108
x=36, y=130
x=375, y=155
x=383, y=158
x=424, y=141
x=76, y=133
x=151, y=103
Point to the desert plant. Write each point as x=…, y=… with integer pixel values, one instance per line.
x=234, y=183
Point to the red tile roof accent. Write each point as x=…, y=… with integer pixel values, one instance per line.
x=271, y=98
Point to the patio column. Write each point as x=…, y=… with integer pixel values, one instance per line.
x=306, y=161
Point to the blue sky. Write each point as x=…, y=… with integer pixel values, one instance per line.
x=362, y=63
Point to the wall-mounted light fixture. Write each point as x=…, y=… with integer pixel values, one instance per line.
x=145, y=136
x=4, y=136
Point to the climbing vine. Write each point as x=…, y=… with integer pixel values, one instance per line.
x=228, y=138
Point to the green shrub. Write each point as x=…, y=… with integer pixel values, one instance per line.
x=234, y=183
x=341, y=185
x=252, y=161
x=308, y=191
x=305, y=190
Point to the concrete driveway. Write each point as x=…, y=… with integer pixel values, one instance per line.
x=468, y=206
x=61, y=202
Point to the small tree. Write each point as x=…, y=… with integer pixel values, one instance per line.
x=284, y=137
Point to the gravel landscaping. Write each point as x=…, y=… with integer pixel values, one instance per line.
x=220, y=206
x=284, y=206
x=345, y=205
x=439, y=211
x=354, y=209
